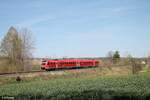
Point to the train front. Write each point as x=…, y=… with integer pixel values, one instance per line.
x=43, y=64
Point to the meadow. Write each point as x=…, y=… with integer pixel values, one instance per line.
x=81, y=86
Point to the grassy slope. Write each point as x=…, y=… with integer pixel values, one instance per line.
x=95, y=87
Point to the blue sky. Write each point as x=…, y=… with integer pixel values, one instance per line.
x=81, y=28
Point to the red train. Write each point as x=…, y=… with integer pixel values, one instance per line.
x=68, y=63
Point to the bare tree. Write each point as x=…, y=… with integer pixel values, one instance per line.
x=136, y=67
x=110, y=59
x=129, y=59
x=17, y=47
x=110, y=54
x=10, y=48
x=27, y=47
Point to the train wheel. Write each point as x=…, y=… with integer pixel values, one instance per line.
x=47, y=69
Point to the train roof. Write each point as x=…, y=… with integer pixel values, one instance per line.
x=69, y=60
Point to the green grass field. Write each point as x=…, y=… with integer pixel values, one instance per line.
x=132, y=87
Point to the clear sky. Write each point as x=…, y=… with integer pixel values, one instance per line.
x=81, y=28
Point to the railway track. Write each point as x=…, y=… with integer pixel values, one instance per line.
x=52, y=72
x=25, y=72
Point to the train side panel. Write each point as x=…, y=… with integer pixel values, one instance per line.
x=56, y=64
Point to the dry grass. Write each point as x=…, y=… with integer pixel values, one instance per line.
x=102, y=71
x=98, y=71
